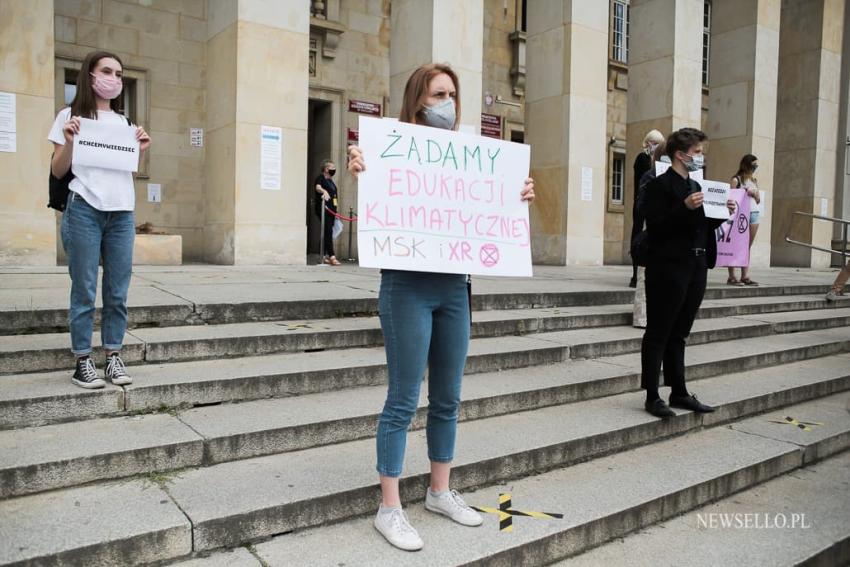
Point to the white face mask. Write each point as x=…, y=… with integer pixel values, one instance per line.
x=440, y=115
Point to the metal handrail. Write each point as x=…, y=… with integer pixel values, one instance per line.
x=844, y=229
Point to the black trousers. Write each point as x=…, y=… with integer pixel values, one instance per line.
x=674, y=291
x=329, y=230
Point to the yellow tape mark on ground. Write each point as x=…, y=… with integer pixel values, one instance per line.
x=804, y=425
x=506, y=513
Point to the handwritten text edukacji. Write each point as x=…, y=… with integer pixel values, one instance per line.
x=106, y=146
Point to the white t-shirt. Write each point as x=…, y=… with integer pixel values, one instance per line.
x=103, y=189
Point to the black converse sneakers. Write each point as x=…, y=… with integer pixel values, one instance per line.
x=85, y=376
x=116, y=372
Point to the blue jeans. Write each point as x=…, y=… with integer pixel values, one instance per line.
x=89, y=236
x=425, y=321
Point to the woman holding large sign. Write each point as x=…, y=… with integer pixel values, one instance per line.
x=425, y=318
x=97, y=222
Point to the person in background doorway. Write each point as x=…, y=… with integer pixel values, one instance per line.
x=682, y=248
x=643, y=163
x=425, y=319
x=744, y=179
x=327, y=198
x=97, y=223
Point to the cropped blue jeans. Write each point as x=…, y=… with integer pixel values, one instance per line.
x=425, y=322
x=89, y=236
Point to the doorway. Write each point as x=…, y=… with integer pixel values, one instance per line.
x=319, y=147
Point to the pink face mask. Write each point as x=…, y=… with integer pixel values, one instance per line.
x=106, y=87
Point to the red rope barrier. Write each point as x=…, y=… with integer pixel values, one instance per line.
x=340, y=217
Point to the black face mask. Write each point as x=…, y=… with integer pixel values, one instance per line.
x=331, y=172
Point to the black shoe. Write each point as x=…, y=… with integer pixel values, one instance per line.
x=85, y=376
x=690, y=403
x=658, y=408
x=633, y=282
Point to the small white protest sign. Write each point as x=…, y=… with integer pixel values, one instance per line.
x=109, y=146
x=433, y=200
x=716, y=194
x=662, y=166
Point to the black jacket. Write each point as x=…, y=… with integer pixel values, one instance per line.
x=673, y=229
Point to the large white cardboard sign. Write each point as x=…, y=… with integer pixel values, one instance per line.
x=110, y=146
x=434, y=200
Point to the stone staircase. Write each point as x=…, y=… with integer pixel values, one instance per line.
x=250, y=426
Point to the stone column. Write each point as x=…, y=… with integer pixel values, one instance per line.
x=439, y=31
x=257, y=74
x=665, y=78
x=806, y=127
x=27, y=227
x=842, y=170
x=566, y=106
x=742, y=98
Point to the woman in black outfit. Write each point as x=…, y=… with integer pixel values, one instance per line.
x=682, y=248
x=643, y=163
x=327, y=197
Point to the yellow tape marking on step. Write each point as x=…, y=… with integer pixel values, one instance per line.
x=804, y=425
x=506, y=513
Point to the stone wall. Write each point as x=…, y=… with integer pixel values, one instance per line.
x=167, y=40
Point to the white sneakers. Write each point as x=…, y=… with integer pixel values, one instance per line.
x=395, y=527
x=449, y=503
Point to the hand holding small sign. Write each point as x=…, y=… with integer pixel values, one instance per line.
x=695, y=200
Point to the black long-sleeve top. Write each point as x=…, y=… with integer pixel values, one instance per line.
x=673, y=229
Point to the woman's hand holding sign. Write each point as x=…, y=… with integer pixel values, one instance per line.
x=143, y=138
x=528, y=190
x=355, y=160
x=71, y=128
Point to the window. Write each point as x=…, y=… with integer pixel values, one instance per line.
x=618, y=171
x=620, y=31
x=133, y=101
x=706, y=40
x=522, y=15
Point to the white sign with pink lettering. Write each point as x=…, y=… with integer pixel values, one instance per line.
x=433, y=200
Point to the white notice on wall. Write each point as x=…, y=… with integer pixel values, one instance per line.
x=196, y=137
x=824, y=207
x=586, y=183
x=8, y=142
x=270, y=157
x=8, y=122
x=154, y=193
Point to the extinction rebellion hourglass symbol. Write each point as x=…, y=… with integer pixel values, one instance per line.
x=743, y=223
x=489, y=255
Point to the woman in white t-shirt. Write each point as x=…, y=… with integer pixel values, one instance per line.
x=745, y=179
x=97, y=223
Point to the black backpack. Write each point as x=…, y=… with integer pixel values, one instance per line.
x=60, y=188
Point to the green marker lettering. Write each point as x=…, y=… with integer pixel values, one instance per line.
x=450, y=150
x=397, y=138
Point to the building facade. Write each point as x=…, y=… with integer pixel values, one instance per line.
x=581, y=81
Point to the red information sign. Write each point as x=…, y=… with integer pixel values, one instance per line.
x=364, y=107
x=491, y=125
x=353, y=135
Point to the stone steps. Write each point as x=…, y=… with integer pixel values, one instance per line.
x=747, y=529
x=602, y=499
x=639, y=471
x=152, y=307
x=49, y=351
x=38, y=398
x=34, y=459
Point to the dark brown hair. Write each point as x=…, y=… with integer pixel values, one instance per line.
x=683, y=139
x=745, y=169
x=85, y=101
x=416, y=91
